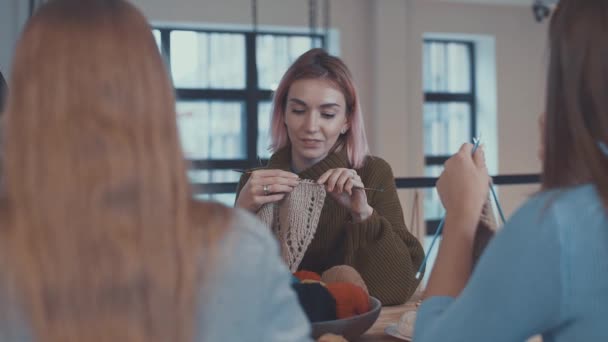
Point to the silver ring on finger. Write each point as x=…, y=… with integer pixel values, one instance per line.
x=265, y=189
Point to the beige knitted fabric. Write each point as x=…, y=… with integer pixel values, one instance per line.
x=294, y=220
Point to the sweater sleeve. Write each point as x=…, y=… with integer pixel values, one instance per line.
x=515, y=292
x=381, y=248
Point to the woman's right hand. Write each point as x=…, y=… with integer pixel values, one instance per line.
x=266, y=186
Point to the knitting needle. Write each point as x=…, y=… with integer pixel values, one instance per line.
x=502, y=215
x=440, y=227
x=362, y=188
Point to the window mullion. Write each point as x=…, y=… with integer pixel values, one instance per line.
x=165, y=41
x=251, y=98
x=473, y=103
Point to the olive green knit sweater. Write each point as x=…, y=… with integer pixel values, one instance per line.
x=381, y=248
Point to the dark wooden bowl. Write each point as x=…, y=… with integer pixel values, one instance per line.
x=352, y=327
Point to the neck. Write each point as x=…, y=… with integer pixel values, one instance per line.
x=299, y=164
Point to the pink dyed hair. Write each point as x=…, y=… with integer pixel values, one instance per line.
x=318, y=64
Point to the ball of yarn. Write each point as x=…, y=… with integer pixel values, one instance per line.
x=310, y=281
x=331, y=338
x=317, y=302
x=344, y=274
x=307, y=275
x=350, y=299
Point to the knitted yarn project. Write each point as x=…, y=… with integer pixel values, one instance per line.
x=294, y=220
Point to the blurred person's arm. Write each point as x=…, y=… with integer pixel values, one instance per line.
x=250, y=296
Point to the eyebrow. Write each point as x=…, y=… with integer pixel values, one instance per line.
x=325, y=105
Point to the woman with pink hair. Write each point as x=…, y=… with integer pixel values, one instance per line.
x=318, y=134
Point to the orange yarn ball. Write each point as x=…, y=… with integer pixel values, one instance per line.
x=351, y=300
x=307, y=275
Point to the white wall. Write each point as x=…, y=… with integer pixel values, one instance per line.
x=381, y=41
x=520, y=50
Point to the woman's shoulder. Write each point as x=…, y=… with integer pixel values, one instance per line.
x=238, y=227
x=251, y=228
x=376, y=163
x=570, y=199
x=561, y=209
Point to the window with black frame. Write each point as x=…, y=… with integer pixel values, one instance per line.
x=449, y=110
x=224, y=82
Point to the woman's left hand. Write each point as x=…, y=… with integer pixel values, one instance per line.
x=345, y=186
x=464, y=184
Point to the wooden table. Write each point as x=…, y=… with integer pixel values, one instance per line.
x=392, y=314
x=388, y=315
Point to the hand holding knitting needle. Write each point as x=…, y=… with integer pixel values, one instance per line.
x=266, y=186
x=346, y=187
x=464, y=184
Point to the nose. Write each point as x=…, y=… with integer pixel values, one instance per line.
x=311, y=123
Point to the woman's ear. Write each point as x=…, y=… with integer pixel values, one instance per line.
x=345, y=128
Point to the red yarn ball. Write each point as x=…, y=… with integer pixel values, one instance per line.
x=351, y=300
x=307, y=275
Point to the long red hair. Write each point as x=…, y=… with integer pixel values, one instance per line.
x=98, y=228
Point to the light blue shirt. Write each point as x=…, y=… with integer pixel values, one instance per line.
x=251, y=298
x=545, y=272
x=247, y=297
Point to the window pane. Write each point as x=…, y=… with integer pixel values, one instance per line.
x=447, y=67
x=276, y=53
x=212, y=129
x=213, y=176
x=433, y=210
x=208, y=60
x=264, y=115
x=156, y=34
x=446, y=127
x=226, y=199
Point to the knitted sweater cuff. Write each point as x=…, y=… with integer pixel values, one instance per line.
x=367, y=230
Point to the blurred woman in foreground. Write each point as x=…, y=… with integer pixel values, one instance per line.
x=100, y=239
